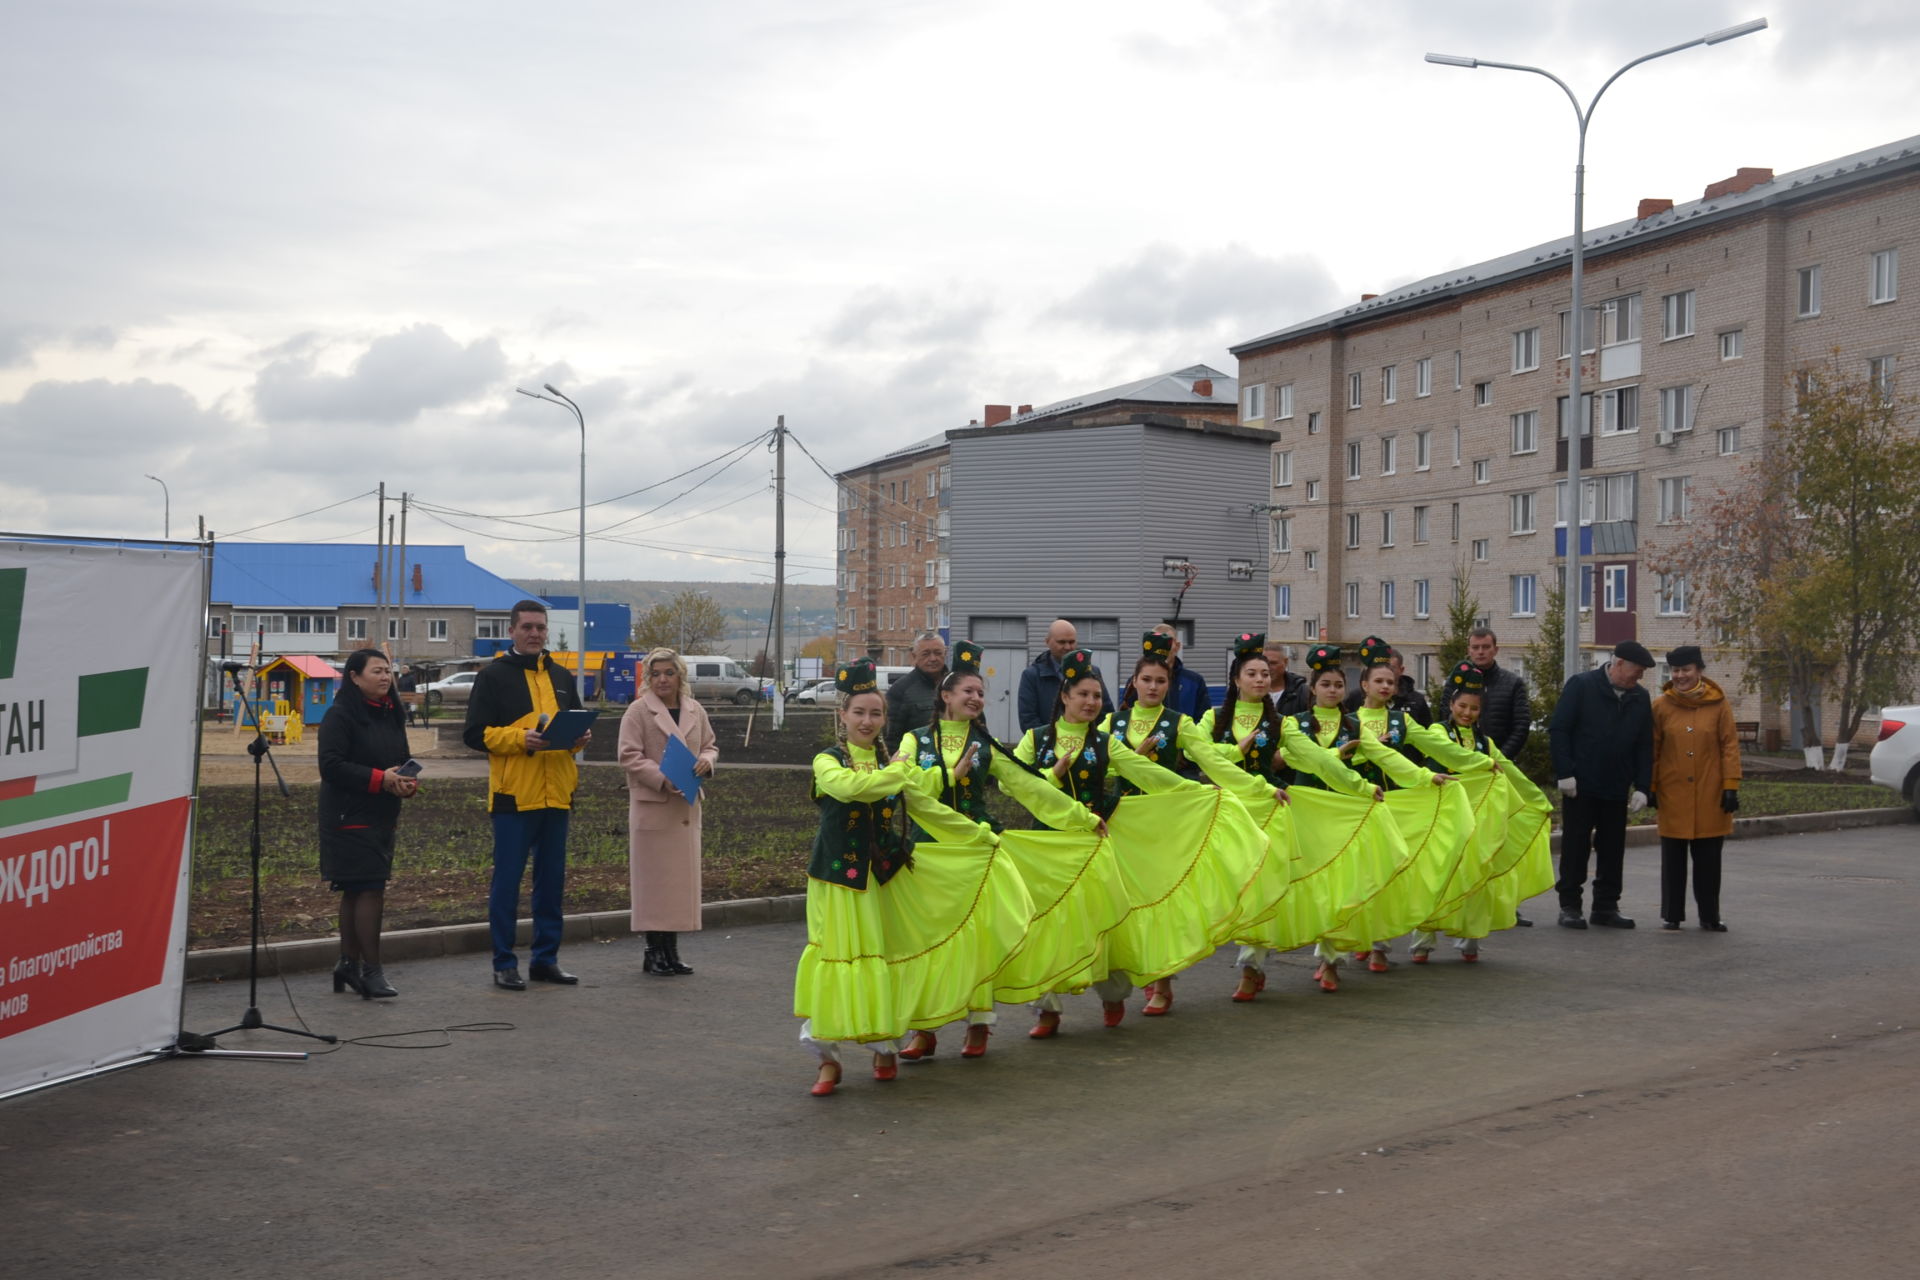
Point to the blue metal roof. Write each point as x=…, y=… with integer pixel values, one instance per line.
x=326, y=575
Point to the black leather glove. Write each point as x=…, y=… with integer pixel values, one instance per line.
x=1653, y=800
x=1729, y=802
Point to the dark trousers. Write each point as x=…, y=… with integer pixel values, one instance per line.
x=1706, y=878
x=1596, y=827
x=541, y=834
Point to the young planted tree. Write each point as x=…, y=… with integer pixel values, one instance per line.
x=1546, y=674
x=1463, y=613
x=689, y=623
x=1810, y=561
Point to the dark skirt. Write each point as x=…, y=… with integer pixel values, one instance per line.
x=359, y=886
x=356, y=853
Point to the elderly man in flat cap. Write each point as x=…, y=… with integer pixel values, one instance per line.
x=1602, y=733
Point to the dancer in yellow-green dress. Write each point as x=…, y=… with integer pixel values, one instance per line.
x=1217, y=873
x=957, y=761
x=899, y=935
x=1179, y=893
x=1328, y=846
x=1513, y=819
x=1436, y=820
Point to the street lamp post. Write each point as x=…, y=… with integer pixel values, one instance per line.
x=1570, y=657
x=561, y=398
x=166, y=508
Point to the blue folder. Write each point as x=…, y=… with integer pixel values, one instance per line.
x=676, y=764
x=564, y=730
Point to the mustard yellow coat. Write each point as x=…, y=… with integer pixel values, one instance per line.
x=1696, y=756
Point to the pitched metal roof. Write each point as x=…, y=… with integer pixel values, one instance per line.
x=1814, y=180
x=325, y=575
x=1174, y=388
x=1163, y=388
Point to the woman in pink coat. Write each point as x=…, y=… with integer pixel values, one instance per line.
x=663, y=830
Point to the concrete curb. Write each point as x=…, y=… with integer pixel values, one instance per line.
x=226, y=963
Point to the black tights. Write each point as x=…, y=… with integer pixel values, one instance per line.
x=360, y=925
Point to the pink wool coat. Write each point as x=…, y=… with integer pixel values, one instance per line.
x=663, y=831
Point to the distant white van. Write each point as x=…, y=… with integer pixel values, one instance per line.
x=887, y=675
x=715, y=677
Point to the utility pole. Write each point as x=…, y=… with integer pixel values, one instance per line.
x=402, y=581
x=379, y=635
x=390, y=641
x=779, y=568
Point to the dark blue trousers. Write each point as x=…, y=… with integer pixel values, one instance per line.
x=542, y=835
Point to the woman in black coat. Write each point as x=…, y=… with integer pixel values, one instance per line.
x=363, y=739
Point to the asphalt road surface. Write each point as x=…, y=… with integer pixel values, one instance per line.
x=1579, y=1104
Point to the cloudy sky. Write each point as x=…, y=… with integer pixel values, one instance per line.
x=277, y=253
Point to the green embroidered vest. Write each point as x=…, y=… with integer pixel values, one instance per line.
x=1161, y=745
x=1263, y=758
x=858, y=844
x=968, y=795
x=1087, y=776
x=1310, y=725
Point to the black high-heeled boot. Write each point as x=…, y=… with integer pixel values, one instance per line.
x=347, y=974
x=656, y=961
x=374, y=984
x=674, y=965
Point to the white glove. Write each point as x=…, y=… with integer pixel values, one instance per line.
x=1636, y=802
x=1569, y=786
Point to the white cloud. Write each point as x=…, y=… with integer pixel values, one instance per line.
x=392, y=381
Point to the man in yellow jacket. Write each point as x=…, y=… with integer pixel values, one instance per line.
x=529, y=791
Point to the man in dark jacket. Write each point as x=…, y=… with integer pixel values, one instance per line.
x=1602, y=733
x=1040, y=682
x=910, y=698
x=1289, y=693
x=1506, y=715
x=529, y=791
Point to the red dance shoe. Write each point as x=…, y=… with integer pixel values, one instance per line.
x=1112, y=1011
x=976, y=1045
x=824, y=1085
x=1047, y=1027
x=884, y=1067
x=1377, y=962
x=1359, y=956
x=1421, y=957
x=920, y=1046
x=1252, y=983
x=1469, y=957
x=1160, y=1001
x=1328, y=976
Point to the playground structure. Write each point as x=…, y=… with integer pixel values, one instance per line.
x=288, y=694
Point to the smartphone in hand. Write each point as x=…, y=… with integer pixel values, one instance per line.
x=411, y=769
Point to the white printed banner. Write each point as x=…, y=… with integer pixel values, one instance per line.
x=99, y=670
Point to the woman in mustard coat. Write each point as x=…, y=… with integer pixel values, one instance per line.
x=1696, y=783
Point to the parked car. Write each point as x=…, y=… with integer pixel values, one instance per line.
x=717, y=678
x=455, y=688
x=1895, y=761
x=814, y=692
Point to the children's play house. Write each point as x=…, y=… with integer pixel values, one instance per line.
x=297, y=686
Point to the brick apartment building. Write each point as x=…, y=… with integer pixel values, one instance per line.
x=1421, y=434
x=892, y=553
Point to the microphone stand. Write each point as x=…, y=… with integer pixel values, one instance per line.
x=202, y=1046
